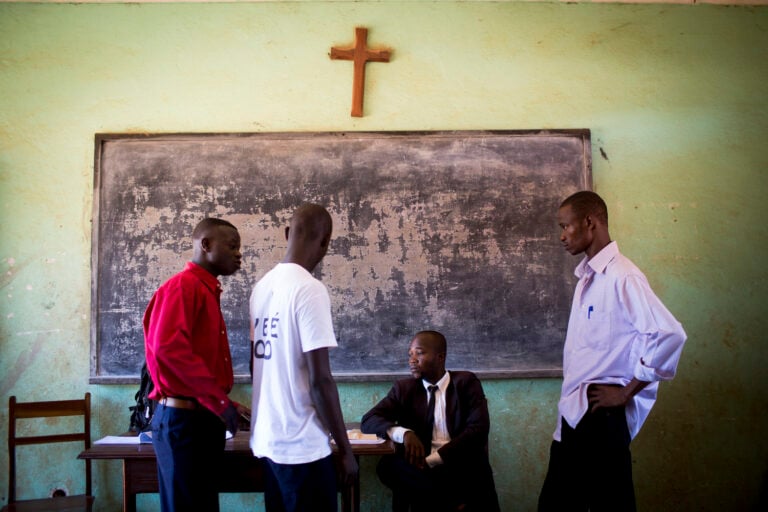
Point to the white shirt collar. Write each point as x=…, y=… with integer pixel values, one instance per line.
x=599, y=261
x=442, y=384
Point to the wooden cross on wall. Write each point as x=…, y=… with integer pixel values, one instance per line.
x=360, y=55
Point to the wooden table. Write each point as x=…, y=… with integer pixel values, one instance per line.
x=239, y=472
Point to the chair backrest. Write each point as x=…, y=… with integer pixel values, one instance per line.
x=56, y=408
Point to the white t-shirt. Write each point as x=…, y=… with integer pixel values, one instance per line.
x=290, y=315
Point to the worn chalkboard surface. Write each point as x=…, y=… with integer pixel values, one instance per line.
x=453, y=231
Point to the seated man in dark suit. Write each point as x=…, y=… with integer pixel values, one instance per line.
x=442, y=456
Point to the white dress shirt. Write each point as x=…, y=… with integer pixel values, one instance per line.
x=618, y=329
x=440, y=434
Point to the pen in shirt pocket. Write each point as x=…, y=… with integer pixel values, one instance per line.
x=589, y=312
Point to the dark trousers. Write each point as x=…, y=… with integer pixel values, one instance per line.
x=189, y=445
x=418, y=490
x=590, y=469
x=469, y=487
x=309, y=487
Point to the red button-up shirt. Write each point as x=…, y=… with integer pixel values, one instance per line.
x=185, y=340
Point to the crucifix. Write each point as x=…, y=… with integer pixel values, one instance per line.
x=360, y=55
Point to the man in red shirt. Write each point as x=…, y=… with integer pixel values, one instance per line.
x=189, y=360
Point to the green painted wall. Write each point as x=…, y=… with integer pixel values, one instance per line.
x=677, y=101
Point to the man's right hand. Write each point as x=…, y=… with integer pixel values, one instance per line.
x=230, y=418
x=349, y=469
x=414, y=450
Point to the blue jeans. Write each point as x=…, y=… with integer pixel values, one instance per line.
x=189, y=445
x=309, y=487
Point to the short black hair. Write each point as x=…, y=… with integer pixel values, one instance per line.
x=585, y=203
x=441, y=345
x=311, y=221
x=204, y=225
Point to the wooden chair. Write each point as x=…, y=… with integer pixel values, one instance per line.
x=30, y=410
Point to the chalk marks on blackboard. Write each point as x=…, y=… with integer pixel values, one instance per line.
x=447, y=230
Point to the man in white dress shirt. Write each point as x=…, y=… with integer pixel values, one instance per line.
x=621, y=342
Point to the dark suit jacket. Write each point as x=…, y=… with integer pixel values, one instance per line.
x=466, y=413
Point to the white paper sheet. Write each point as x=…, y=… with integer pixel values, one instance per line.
x=119, y=440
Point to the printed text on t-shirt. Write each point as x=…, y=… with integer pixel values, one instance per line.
x=262, y=347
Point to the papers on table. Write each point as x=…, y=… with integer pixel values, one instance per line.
x=142, y=438
x=118, y=440
x=357, y=437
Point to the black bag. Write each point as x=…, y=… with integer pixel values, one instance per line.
x=141, y=413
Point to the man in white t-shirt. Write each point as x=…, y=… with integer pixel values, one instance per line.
x=295, y=399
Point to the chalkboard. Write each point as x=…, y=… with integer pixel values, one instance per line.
x=453, y=231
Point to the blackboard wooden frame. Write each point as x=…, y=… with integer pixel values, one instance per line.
x=478, y=209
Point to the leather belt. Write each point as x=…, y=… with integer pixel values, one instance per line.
x=179, y=403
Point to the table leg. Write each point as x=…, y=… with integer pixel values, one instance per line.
x=139, y=476
x=356, y=489
x=129, y=497
x=350, y=495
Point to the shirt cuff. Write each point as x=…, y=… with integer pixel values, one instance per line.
x=645, y=373
x=397, y=434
